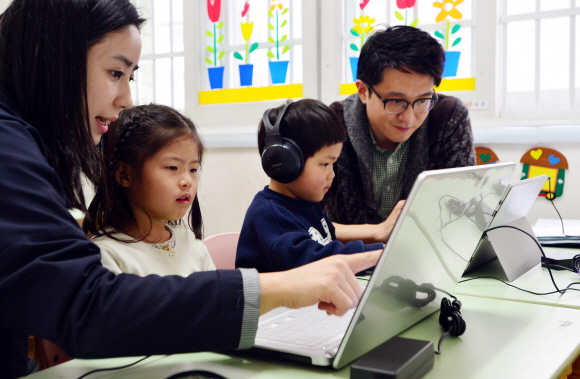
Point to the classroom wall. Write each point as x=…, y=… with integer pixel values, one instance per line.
x=231, y=177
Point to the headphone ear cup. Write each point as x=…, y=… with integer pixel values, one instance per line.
x=286, y=166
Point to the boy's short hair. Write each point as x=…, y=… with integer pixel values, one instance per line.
x=403, y=48
x=309, y=123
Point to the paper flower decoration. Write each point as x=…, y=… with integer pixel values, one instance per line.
x=448, y=9
x=405, y=4
x=213, y=12
x=363, y=25
x=541, y=160
x=247, y=28
x=278, y=40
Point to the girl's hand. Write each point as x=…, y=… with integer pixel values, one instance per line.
x=330, y=282
x=386, y=227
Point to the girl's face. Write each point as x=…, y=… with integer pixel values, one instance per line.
x=111, y=64
x=167, y=185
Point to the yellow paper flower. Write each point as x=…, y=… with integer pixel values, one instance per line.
x=277, y=3
x=453, y=12
x=360, y=24
x=247, y=28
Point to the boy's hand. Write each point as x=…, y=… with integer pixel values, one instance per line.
x=386, y=227
x=330, y=282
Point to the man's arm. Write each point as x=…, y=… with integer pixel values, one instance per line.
x=369, y=233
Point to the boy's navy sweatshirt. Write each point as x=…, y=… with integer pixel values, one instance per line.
x=280, y=233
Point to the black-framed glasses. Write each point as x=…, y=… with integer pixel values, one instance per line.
x=396, y=106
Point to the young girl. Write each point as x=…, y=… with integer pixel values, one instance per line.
x=152, y=155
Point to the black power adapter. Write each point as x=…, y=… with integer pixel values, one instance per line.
x=400, y=358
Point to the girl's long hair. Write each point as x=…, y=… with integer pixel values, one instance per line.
x=43, y=67
x=138, y=134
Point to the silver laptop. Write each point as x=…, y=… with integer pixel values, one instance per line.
x=430, y=246
x=516, y=252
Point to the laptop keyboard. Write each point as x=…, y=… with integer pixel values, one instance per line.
x=308, y=327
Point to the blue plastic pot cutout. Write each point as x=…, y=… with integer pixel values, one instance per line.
x=246, y=74
x=354, y=67
x=278, y=71
x=216, y=77
x=451, y=63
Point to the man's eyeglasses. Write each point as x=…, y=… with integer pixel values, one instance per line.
x=396, y=106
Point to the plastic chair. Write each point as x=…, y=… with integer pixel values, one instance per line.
x=222, y=249
x=46, y=353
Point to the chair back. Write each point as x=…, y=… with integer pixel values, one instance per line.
x=222, y=249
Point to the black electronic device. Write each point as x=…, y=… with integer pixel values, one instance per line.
x=563, y=264
x=398, y=358
x=196, y=374
x=282, y=158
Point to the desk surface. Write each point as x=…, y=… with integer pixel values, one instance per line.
x=537, y=279
x=504, y=339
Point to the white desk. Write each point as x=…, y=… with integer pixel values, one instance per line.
x=536, y=279
x=504, y=339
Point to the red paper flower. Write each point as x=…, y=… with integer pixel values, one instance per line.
x=246, y=7
x=213, y=9
x=404, y=4
x=363, y=4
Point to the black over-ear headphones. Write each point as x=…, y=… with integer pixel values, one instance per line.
x=282, y=158
x=563, y=264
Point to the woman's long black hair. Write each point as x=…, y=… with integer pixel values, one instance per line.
x=138, y=134
x=43, y=67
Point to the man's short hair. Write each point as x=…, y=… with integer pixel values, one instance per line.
x=309, y=123
x=403, y=48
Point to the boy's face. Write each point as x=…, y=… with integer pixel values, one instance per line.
x=391, y=129
x=316, y=178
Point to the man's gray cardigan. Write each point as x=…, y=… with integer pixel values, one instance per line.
x=444, y=140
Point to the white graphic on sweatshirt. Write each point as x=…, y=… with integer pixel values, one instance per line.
x=316, y=236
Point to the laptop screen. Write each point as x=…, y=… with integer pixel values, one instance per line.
x=430, y=247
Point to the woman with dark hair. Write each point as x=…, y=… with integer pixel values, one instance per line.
x=65, y=68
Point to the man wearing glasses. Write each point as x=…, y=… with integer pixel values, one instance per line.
x=397, y=127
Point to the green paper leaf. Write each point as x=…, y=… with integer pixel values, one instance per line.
x=208, y=33
x=221, y=54
x=270, y=26
x=270, y=39
x=221, y=38
x=283, y=23
x=286, y=48
x=210, y=49
x=220, y=25
x=354, y=47
x=456, y=42
x=208, y=61
x=254, y=46
x=271, y=55
x=238, y=56
x=455, y=29
x=285, y=11
x=354, y=33
x=283, y=38
x=438, y=34
x=399, y=16
x=270, y=14
x=414, y=23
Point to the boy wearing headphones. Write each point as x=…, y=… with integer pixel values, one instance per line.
x=286, y=226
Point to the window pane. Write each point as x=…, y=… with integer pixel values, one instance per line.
x=555, y=63
x=144, y=7
x=296, y=63
x=520, y=66
x=296, y=9
x=179, y=83
x=177, y=16
x=548, y=5
x=161, y=24
x=163, y=81
x=144, y=78
x=520, y=6
x=520, y=70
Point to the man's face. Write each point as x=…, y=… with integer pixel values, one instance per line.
x=389, y=130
